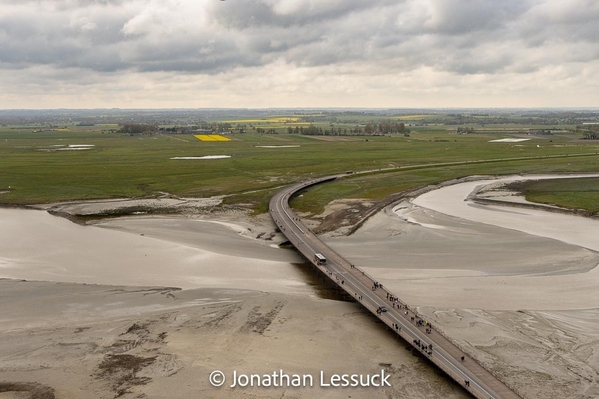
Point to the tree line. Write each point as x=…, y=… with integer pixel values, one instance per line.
x=589, y=132
x=369, y=128
x=133, y=128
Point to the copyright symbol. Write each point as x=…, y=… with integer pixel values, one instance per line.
x=217, y=378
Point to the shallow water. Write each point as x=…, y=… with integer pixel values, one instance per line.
x=572, y=229
x=35, y=245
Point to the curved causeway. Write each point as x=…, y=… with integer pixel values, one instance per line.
x=374, y=297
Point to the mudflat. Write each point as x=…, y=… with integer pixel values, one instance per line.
x=152, y=305
x=514, y=288
x=64, y=340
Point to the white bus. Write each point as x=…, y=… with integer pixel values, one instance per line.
x=319, y=259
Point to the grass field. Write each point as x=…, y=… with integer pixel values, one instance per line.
x=31, y=171
x=580, y=193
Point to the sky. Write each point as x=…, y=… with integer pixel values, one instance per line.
x=298, y=53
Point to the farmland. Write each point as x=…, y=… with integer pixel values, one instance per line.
x=211, y=137
x=32, y=170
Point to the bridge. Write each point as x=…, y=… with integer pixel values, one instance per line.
x=385, y=305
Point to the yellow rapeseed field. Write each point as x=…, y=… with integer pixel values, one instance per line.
x=211, y=137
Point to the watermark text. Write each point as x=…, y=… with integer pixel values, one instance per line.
x=280, y=378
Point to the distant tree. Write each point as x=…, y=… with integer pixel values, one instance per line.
x=137, y=128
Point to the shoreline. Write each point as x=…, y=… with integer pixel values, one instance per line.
x=86, y=212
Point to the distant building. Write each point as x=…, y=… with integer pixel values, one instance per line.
x=464, y=130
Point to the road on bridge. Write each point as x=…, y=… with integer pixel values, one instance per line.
x=374, y=297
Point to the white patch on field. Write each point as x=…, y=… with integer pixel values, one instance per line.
x=277, y=146
x=70, y=147
x=204, y=157
x=509, y=140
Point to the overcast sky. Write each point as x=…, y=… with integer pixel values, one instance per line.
x=298, y=53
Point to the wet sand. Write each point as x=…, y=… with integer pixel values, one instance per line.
x=93, y=341
x=113, y=328
x=175, y=251
x=525, y=305
x=471, y=265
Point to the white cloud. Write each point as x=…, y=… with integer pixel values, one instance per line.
x=298, y=53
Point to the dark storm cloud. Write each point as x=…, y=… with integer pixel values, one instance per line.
x=209, y=36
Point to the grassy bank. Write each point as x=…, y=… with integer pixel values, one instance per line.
x=580, y=193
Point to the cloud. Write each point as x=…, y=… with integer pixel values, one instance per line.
x=348, y=41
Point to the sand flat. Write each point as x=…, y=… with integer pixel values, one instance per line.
x=471, y=265
x=70, y=340
x=37, y=246
x=524, y=305
x=509, y=288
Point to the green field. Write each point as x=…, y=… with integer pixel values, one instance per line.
x=34, y=170
x=580, y=193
